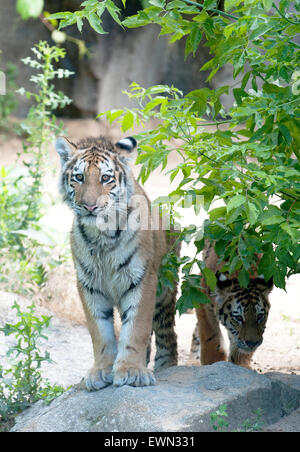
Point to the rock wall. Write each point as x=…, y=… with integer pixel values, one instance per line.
x=115, y=60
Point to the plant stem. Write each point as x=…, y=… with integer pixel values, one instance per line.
x=216, y=123
x=284, y=17
x=222, y=13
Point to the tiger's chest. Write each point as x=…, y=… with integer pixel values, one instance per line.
x=109, y=264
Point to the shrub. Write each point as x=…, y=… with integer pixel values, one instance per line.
x=21, y=192
x=21, y=381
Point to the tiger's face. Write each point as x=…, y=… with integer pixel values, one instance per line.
x=243, y=311
x=95, y=176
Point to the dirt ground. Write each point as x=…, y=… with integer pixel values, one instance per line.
x=69, y=342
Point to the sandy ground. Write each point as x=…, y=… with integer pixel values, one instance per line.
x=69, y=342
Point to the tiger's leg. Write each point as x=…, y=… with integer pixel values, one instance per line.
x=99, y=315
x=136, y=309
x=211, y=340
x=195, y=344
x=164, y=328
x=148, y=352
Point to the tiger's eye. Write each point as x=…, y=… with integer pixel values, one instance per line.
x=238, y=318
x=105, y=178
x=260, y=317
x=79, y=177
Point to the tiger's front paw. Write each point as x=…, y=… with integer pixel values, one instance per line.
x=98, y=378
x=132, y=376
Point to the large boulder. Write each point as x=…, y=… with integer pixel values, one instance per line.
x=182, y=401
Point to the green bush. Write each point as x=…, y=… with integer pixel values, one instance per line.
x=8, y=101
x=41, y=126
x=14, y=190
x=21, y=381
x=24, y=244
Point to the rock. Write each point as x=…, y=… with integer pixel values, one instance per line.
x=182, y=401
x=289, y=423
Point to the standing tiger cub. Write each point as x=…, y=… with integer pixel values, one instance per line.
x=243, y=312
x=117, y=255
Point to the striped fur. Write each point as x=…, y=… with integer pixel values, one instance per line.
x=117, y=265
x=243, y=312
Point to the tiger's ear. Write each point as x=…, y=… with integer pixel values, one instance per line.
x=223, y=280
x=265, y=286
x=65, y=149
x=126, y=147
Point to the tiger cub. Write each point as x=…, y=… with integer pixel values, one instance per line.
x=117, y=256
x=243, y=312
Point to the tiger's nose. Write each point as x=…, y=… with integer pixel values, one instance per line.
x=253, y=344
x=90, y=207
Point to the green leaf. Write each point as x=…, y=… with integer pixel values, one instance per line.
x=101, y=8
x=63, y=15
x=191, y=298
x=199, y=96
x=112, y=115
x=29, y=8
x=210, y=278
x=294, y=234
x=193, y=40
x=252, y=213
x=79, y=23
x=267, y=4
x=229, y=4
x=128, y=121
x=286, y=133
x=266, y=264
x=235, y=202
x=153, y=103
x=275, y=219
x=114, y=12
x=159, y=3
x=137, y=20
x=239, y=94
x=218, y=212
x=95, y=23
x=243, y=278
x=260, y=30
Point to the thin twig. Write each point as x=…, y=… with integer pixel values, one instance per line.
x=222, y=13
x=284, y=17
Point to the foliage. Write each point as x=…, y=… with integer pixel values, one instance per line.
x=218, y=423
x=41, y=125
x=92, y=11
x=21, y=204
x=254, y=425
x=13, y=209
x=8, y=101
x=25, y=259
x=29, y=8
x=246, y=158
x=22, y=383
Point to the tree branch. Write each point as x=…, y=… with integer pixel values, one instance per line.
x=284, y=17
x=218, y=11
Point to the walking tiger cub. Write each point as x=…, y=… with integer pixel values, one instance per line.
x=117, y=255
x=243, y=312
